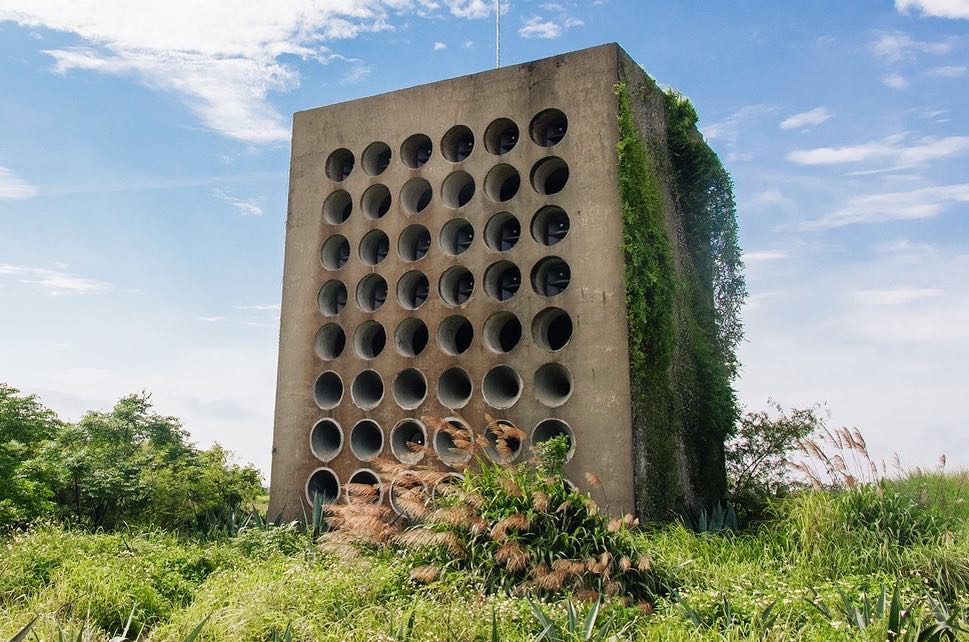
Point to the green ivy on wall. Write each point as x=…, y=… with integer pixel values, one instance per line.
x=684, y=318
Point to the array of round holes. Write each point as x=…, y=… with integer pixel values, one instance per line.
x=551, y=329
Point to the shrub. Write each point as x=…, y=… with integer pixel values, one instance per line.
x=515, y=528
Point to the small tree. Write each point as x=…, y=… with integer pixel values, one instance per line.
x=757, y=456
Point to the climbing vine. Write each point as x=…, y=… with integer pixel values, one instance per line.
x=683, y=313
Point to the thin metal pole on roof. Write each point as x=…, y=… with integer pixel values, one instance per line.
x=497, y=34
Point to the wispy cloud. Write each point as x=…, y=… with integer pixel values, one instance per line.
x=356, y=73
x=246, y=207
x=896, y=296
x=919, y=203
x=53, y=281
x=948, y=71
x=438, y=46
x=894, y=46
x=805, y=119
x=895, y=148
x=549, y=27
x=728, y=129
x=212, y=319
x=267, y=307
x=222, y=62
x=13, y=187
x=895, y=81
x=935, y=8
x=762, y=256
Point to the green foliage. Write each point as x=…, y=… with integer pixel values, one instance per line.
x=757, y=455
x=576, y=629
x=127, y=466
x=552, y=456
x=650, y=288
x=721, y=518
x=24, y=425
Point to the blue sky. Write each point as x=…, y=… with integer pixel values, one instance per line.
x=143, y=179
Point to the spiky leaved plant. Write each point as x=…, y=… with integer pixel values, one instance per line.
x=519, y=528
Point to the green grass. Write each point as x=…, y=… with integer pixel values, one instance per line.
x=754, y=585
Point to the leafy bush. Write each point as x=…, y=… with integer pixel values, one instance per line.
x=515, y=528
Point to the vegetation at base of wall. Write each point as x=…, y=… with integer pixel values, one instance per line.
x=128, y=466
x=804, y=573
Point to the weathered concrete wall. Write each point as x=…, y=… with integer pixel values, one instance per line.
x=579, y=84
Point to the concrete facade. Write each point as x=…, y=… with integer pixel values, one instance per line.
x=355, y=296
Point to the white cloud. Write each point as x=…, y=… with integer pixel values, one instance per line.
x=212, y=319
x=468, y=44
x=245, y=207
x=897, y=45
x=765, y=255
x=222, y=59
x=266, y=307
x=356, y=73
x=439, y=45
x=895, y=81
x=935, y=8
x=948, y=71
x=925, y=202
x=893, y=148
x=535, y=27
x=810, y=118
x=896, y=296
x=13, y=187
x=54, y=281
x=728, y=129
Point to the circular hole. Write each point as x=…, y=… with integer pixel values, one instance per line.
x=503, y=447
x=413, y=290
x=452, y=442
x=326, y=439
x=501, y=136
x=376, y=202
x=406, y=440
x=552, y=329
x=410, y=388
x=550, y=428
x=374, y=247
x=502, y=280
x=364, y=487
x=416, y=150
x=376, y=158
x=411, y=337
x=369, y=340
x=452, y=480
x=339, y=164
x=502, y=387
x=366, y=440
x=550, y=225
x=457, y=189
x=408, y=495
x=457, y=144
x=367, y=390
x=414, y=242
x=548, y=127
x=371, y=292
x=550, y=175
x=455, y=335
x=457, y=285
x=502, y=332
x=456, y=236
x=551, y=276
x=323, y=482
x=502, y=183
x=337, y=207
x=335, y=252
x=454, y=388
x=332, y=298
x=502, y=232
x=330, y=341
x=416, y=195
x=553, y=384
x=328, y=390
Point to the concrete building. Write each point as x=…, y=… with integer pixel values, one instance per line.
x=455, y=250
